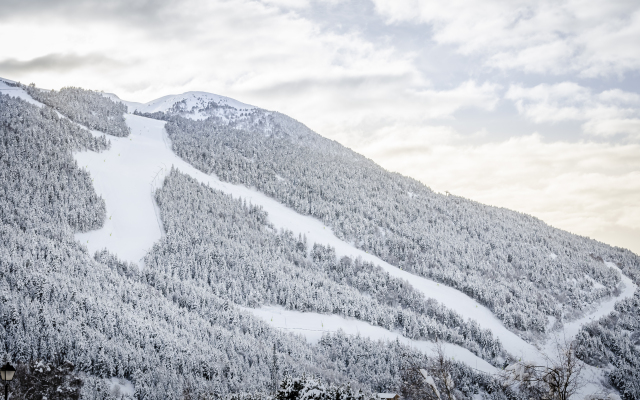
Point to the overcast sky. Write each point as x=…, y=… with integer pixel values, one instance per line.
x=530, y=105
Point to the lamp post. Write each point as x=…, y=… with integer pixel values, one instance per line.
x=6, y=374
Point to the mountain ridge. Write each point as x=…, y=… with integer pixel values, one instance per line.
x=362, y=204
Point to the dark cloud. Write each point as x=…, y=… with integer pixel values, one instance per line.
x=157, y=17
x=55, y=62
x=71, y=8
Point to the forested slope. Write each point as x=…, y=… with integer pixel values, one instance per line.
x=169, y=335
x=228, y=246
x=86, y=107
x=613, y=342
x=516, y=265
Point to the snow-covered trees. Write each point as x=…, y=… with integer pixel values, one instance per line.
x=614, y=341
x=85, y=107
x=42, y=189
x=164, y=329
x=229, y=247
x=516, y=265
x=307, y=388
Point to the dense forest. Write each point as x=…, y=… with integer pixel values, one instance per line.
x=227, y=246
x=175, y=327
x=86, y=107
x=76, y=319
x=519, y=267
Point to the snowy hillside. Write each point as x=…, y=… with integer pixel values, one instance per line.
x=158, y=155
x=194, y=104
x=232, y=213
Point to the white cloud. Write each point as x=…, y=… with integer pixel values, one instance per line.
x=290, y=4
x=592, y=38
x=604, y=114
x=337, y=83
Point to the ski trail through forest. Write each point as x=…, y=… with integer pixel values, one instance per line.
x=313, y=325
x=127, y=175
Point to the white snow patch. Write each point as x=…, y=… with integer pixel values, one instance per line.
x=120, y=386
x=17, y=92
x=313, y=325
x=553, y=256
x=126, y=176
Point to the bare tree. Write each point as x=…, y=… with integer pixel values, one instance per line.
x=432, y=381
x=559, y=379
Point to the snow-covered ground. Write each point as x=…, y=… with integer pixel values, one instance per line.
x=191, y=100
x=121, y=387
x=127, y=174
x=16, y=92
x=313, y=325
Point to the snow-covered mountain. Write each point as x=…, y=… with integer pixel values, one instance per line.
x=193, y=103
x=195, y=231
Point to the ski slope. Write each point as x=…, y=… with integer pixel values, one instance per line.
x=17, y=92
x=127, y=174
x=313, y=325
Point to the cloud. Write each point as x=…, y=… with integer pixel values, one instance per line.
x=55, y=62
x=604, y=114
x=591, y=38
x=395, y=102
x=586, y=188
x=375, y=107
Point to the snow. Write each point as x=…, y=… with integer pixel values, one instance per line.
x=596, y=284
x=197, y=99
x=17, y=92
x=313, y=325
x=126, y=175
x=121, y=386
